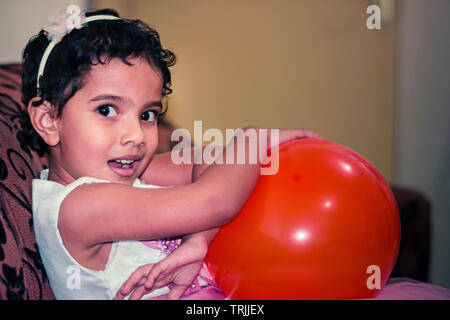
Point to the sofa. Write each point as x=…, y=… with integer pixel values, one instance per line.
x=22, y=275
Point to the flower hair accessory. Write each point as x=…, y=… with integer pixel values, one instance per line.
x=62, y=24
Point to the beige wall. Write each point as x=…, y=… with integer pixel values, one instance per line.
x=284, y=64
x=22, y=19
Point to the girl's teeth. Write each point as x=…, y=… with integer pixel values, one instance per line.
x=126, y=164
x=124, y=161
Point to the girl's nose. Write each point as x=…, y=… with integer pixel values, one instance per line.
x=132, y=132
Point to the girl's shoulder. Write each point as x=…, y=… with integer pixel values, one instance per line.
x=43, y=183
x=48, y=191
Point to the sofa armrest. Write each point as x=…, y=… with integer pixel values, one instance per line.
x=415, y=216
x=22, y=275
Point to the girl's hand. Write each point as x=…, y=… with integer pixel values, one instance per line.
x=178, y=270
x=295, y=134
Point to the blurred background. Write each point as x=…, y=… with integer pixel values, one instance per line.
x=304, y=64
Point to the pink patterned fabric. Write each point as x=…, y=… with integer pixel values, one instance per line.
x=196, y=292
x=409, y=289
x=166, y=245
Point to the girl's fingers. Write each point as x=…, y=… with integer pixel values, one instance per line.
x=176, y=292
x=161, y=281
x=127, y=288
x=151, y=277
x=119, y=296
x=160, y=274
x=136, y=278
x=309, y=134
x=313, y=135
x=138, y=293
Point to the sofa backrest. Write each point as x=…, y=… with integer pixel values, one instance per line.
x=22, y=275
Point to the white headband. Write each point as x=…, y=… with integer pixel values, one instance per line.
x=67, y=25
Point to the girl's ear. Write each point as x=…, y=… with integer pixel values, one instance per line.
x=45, y=121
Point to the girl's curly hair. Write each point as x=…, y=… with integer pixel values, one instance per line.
x=71, y=60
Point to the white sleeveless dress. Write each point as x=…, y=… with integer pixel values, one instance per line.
x=68, y=279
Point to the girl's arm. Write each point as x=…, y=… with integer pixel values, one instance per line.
x=106, y=212
x=163, y=171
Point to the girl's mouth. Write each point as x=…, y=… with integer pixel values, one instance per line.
x=123, y=168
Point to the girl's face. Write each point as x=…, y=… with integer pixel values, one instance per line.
x=108, y=129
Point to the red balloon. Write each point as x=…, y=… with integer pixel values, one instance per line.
x=326, y=226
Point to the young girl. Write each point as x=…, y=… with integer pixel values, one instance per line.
x=93, y=101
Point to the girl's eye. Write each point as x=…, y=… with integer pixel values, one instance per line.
x=149, y=116
x=105, y=110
